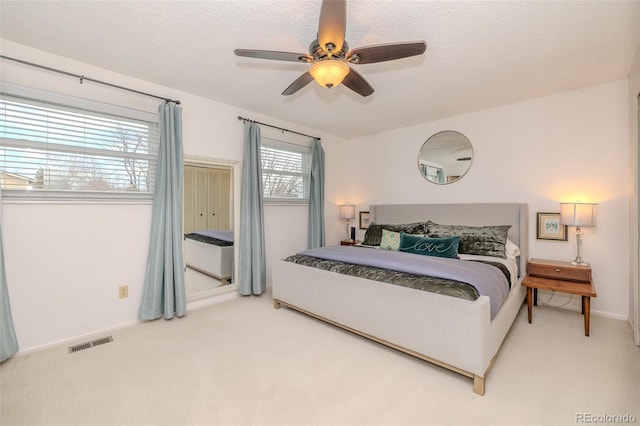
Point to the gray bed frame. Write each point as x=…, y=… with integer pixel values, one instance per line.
x=453, y=333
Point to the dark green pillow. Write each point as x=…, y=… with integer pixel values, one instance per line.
x=439, y=247
x=374, y=233
x=478, y=240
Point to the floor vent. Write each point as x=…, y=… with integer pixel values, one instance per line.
x=88, y=345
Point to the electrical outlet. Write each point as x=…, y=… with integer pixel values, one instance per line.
x=123, y=291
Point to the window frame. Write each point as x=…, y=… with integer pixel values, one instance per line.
x=81, y=104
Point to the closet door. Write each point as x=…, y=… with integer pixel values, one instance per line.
x=201, y=193
x=207, y=198
x=220, y=198
x=213, y=202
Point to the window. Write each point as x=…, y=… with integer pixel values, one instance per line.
x=285, y=172
x=57, y=147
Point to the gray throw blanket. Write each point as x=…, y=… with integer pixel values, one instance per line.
x=487, y=279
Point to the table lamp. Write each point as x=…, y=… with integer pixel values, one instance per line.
x=347, y=212
x=578, y=214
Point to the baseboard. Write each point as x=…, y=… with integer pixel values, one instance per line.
x=566, y=301
x=74, y=340
x=222, y=294
x=218, y=297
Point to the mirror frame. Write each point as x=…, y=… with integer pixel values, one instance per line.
x=235, y=167
x=463, y=139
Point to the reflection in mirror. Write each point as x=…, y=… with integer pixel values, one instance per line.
x=208, y=246
x=445, y=157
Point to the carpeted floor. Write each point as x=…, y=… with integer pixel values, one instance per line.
x=242, y=362
x=199, y=285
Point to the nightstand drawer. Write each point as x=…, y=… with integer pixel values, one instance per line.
x=559, y=270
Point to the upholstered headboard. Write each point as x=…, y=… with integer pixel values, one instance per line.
x=516, y=215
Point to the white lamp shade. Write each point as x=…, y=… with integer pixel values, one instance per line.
x=348, y=211
x=578, y=214
x=329, y=73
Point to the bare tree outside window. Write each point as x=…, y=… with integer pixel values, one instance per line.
x=134, y=141
x=285, y=174
x=50, y=147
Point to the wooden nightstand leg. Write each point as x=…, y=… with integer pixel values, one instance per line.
x=529, y=303
x=586, y=306
x=535, y=297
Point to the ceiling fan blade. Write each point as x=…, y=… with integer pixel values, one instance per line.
x=386, y=52
x=333, y=24
x=273, y=55
x=298, y=84
x=356, y=82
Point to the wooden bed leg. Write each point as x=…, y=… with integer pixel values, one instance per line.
x=276, y=304
x=478, y=385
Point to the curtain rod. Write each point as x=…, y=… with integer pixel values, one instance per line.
x=83, y=78
x=276, y=127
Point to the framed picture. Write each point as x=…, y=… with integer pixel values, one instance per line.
x=548, y=227
x=364, y=220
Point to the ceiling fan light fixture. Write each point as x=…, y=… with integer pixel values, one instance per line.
x=330, y=57
x=329, y=73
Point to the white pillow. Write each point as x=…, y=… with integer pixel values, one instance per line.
x=511, y=249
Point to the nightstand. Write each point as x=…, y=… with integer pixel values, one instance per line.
x=349, y=242
x=563, y=277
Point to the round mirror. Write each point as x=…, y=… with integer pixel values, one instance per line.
x=445, y=157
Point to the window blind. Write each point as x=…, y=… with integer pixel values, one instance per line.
x=52, y=150
x=286, y=172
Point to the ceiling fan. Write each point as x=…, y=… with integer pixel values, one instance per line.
x=329, y=54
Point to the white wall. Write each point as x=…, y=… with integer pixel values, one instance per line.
x=565, y=147
x=64, y=262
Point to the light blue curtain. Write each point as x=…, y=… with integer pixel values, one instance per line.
x=251, y=263
x=8, y=341
x=440, y=175
x=163, y=292
x=316, y=196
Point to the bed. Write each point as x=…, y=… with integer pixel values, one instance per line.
x=458, y=334
x=210, y=251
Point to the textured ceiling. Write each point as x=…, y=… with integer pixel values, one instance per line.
x=479, y=54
